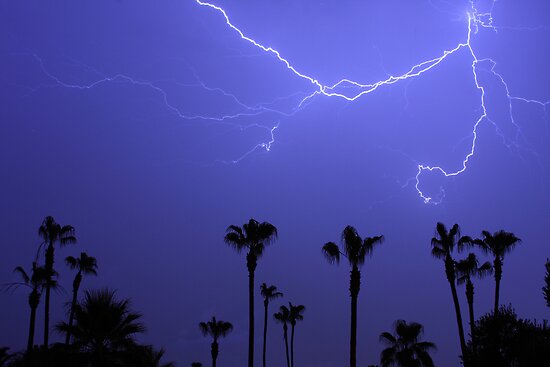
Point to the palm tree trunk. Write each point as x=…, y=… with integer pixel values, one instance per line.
x=214, y=352
x=450, y=272
x=76, y=285
x=355, y=282
x=251, y=261
x=292, y=347
x=470, y=298
x=30, y=341
x=49, y=270
x=285, y=328
x=266, y=303
x=498, y=277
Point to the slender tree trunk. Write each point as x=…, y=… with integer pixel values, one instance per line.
x=266, y=303
x=292, y=346
x=470, y=298
x=285, y=333
x=76, y=285
x=251, y=262
x=214, y=351
x=33, y=303
x=450, y=272
x=355, y=283
x=49, y=270
x=498, y=277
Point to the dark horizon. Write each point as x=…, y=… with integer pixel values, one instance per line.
x=152, y=128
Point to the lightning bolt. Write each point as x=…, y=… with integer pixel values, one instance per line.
x=346, y=89
x=476, y=21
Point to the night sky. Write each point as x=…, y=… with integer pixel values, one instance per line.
x=152, y=126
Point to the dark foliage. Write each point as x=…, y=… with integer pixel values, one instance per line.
x=504, y=340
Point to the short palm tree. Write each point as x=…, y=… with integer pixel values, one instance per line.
x=295, y=315
x=355, y=250
x=467, y=269
x=405, y=348
x=86, y=265
x=5, y=356
x=269, y=293
x=36, y=281
x=216, y=329
x=253, y=237
x=196, y=364
x=52, y=233
x=104, y=326
x=283, y=317
x=498, y=244
x=442, y=248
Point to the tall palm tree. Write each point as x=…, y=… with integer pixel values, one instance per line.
x=498, y=244
x=283, y=317
x=268, y=293
x=52, y=233
x=36, y=281
x=104, y=326
x=215, y=329
x=253, y=236
x=86, y=265
x=467, y=269
x=442, y=248
x=295, y=315
x=355, y=250
x=404, y=348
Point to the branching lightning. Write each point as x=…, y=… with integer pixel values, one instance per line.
x=345, y=89
x=476, y=20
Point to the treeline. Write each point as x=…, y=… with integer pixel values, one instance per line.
x=101, y=330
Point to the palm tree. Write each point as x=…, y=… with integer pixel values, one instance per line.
x=295, y=315
x=215, y=329
x=36, y=281
x=355, y=250
x=104, y=326
x=196, y=364
x=498, y=244
x=52, y=233
x=466, y=269
x=546, y=288
x=404, y=348
x=85, y=265
x=442, y=248
x=253, y=236
x=283, y=317
x=268, y=293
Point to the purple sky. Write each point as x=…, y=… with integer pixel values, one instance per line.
x=149, y=126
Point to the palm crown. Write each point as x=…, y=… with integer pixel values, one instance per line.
x=215, y=328
x=84, y=264
x=355, y=249
x=469, y=268
x=269, y=292
x=253, y=236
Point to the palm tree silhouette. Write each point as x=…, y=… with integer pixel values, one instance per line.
x=253, y=236
x=104, y=326
x=283, y=317
x=215, y=329
x=52, y=233
x=404, y=348
x=268, y=293
x=546, y=288
x=295, y=315
x=498, y=244
x=355, y=250
x=196, y=364
x=442, y=248
x=36, y=281
x=86, y=265
x=466, y=269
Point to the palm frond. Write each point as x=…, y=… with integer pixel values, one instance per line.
x=331, y=252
